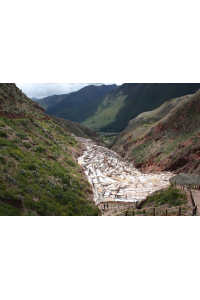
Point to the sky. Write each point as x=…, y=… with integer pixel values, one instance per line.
x=41, y=90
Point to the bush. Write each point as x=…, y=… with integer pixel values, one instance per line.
x=17, y=154
x=3, y=134
x=3, y=187
x=7, y=143
x=2, y=160
x=27, y=166
x=8, y=195
x=27, y=145
x=8, y=210
x=171, y=196
x=21, y=135
x=40, y=149
x=71, y=163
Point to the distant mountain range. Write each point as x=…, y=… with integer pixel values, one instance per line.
x=50, y=101
x=66, y=105
x=34, y=99
x=111, y=107
x=114, y=111
x=84, y=96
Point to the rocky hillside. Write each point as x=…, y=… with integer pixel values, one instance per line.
x=39, y=174
x=113, y=111
x=15, y=105
x=79, y=130
x=166, y=139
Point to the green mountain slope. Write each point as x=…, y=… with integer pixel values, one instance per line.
x=48, y=102
x=166, y=139
x=79, y=130
x=39, y=173
x=84, y=96
x=113, y=112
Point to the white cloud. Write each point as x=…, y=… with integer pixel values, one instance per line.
x=40, y=90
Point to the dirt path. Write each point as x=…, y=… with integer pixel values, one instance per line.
x=196, y=196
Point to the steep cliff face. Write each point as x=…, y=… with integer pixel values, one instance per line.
x=165, y=139
x=39, y=172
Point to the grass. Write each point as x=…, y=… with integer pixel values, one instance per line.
x=8, y=210
x=117, y=109
x=3, y=134
x=47, y=186
x=171, y=196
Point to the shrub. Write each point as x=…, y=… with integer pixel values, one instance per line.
x=2, y=160
x=171, y=196
x=17, y=154
x=21, y=135
x=3, y=187
x=40, y=149
x=29, y=166
x=27, y=145
x=71, y=163
x=3, y=134
x=7, y=143
x=8, y=195
x=8, y=210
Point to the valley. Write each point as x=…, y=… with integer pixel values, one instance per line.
x=53, y=166
x=115, y=180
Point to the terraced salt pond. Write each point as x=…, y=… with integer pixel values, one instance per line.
x=115, y=180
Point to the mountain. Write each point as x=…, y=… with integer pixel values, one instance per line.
x=79, y=130
x=48, y=102
x=114, y=111
x=66, y=108
x=34, y=99
x=39, y=173
x=166, y=139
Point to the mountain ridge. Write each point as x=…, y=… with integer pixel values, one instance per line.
x=169, y=142
x=129, y=100
x=84, y=96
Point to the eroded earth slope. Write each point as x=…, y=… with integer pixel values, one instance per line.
x=166, y=139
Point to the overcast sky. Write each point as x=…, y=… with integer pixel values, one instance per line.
x=41, y=90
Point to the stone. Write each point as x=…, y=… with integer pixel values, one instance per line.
x=20, y=198
x=22, y=172
x=10, y=179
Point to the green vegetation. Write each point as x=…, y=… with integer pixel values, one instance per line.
x=15, y=103
x=114, y=111
x=171, y=196
x=79, y=130
x=165, y=138
x=8, y=210
x=46, y=186
x=38, y=173
x=73, y=105
x=108, y=137
x=50, y=101
x=3, y=134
